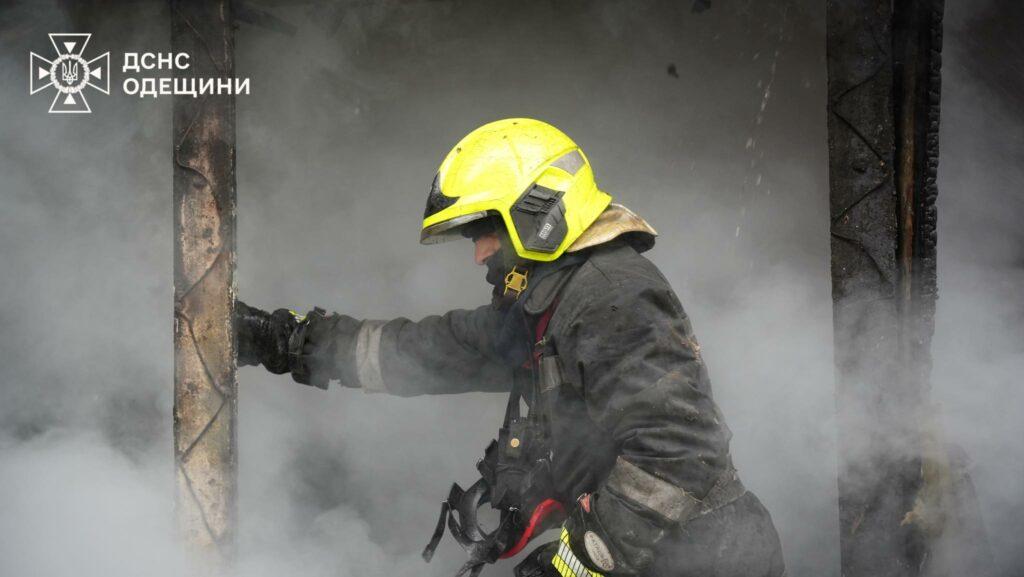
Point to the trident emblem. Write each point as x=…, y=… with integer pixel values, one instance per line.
x=69, y=72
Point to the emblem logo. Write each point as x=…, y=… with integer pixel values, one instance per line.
x=598, y=551
x=69, y=73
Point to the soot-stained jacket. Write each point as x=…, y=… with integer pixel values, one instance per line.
x=638, y=391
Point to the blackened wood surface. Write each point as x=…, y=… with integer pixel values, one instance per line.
x=883, y=64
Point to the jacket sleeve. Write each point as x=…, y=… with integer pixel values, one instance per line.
x=441, y=354
x=632, y=350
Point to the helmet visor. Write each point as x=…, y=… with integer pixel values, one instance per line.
x=450, y=229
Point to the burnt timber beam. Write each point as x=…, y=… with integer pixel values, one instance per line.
x=883, y=115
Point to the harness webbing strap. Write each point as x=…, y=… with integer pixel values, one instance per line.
x=544, y=320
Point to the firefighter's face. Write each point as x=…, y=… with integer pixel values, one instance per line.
x=485, y=247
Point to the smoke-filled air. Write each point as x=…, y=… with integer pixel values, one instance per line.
x=707, y=120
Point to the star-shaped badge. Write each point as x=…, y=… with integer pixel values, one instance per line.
x=69, y=73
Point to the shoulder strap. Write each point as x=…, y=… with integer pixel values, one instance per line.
x=545, y=320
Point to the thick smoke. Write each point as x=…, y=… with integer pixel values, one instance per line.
x=979, y=338
x=712, y=125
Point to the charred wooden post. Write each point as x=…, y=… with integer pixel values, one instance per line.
x=883, y=145
x=883, y=105
x=205, y=391
x=877, y=483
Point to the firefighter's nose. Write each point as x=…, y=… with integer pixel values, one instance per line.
x=485, y=246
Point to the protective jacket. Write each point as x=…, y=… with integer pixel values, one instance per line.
x=635, y=423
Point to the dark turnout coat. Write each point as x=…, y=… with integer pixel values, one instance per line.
x=638, y=390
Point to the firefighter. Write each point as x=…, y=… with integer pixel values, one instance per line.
x=639, y=452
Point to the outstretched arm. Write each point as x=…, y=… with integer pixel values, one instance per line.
x=450, y=353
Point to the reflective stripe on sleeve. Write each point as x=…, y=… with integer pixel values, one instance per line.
x=368, y=357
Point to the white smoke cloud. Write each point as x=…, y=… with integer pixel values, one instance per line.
x=336, y=148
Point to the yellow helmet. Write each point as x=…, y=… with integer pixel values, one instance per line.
x=525, y=171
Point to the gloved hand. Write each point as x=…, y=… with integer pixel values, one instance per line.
x=321, y=348
x=539, y=562
x=263, y=337
x=558, y=559
x=306, y=346
x=605, y=536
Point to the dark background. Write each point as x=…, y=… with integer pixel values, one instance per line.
x=337, y=144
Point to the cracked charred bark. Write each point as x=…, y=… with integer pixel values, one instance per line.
x=205, y=391
x=906, y=507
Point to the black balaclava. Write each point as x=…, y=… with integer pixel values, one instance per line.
x=514, y=341
x=500, y=263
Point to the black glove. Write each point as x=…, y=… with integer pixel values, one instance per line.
x=539, y=562
x=583, y=550
x=263, y=337
x=322, y=348
x=314, y=348
x=609, y=536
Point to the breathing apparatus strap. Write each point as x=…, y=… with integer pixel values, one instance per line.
x=503, y=468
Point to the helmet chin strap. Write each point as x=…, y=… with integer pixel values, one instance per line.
x=507, y=272
x=516, y=281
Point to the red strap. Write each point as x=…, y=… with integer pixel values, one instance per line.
x=541, y=328
x=541, y=513
x=547, y=507
x=542, y=322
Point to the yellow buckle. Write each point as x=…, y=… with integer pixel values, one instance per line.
x=516, y=281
